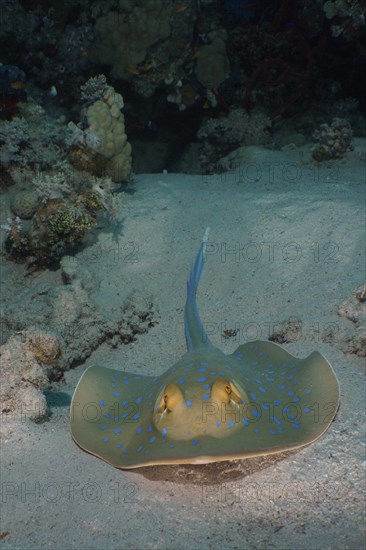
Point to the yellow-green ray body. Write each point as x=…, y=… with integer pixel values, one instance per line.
x=209, y=406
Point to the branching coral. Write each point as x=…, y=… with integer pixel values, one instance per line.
x=33, y=139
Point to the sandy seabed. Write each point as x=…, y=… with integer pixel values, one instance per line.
x=287, y=241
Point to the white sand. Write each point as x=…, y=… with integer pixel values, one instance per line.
x=56, y=496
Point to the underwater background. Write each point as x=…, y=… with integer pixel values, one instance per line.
x=127, y=127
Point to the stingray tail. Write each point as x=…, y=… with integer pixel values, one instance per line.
x=195, y=333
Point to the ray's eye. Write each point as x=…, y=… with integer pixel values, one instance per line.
x=223, y=391
x=170, y=399
x=164, y=406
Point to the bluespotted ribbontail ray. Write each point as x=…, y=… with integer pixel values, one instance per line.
x=209, y=406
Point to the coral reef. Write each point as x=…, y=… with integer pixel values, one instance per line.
x=55, y=214
x=334, y=140
x=51, y=42
x=347, y=16
x=25, y=203
x=124, y=37
x=72, y=320
x=213, y=64
x=32, y=139
x=101, y=133
x=44, y=345
x=175, y=59
x=12, y=82
x=22, y=380
x=222, y=135
x=353, y=340
x=93, y=88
